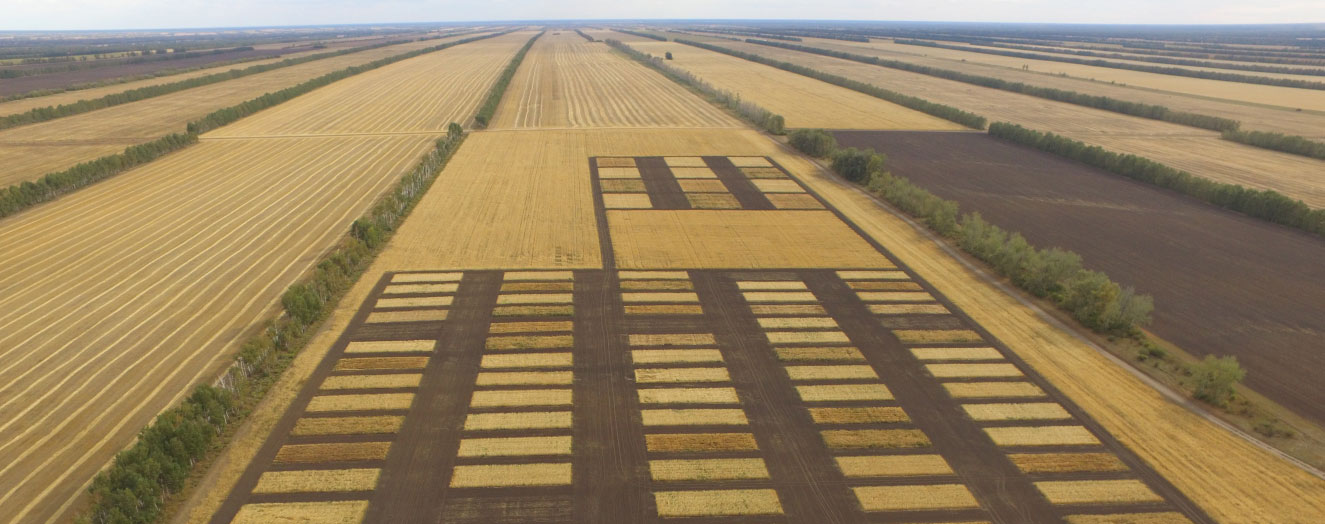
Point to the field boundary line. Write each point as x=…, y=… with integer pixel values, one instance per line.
x=1075, y=332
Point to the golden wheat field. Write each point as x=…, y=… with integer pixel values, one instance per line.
x=568, y=82
x=121, y=296
x=802, y=101
x=1198, y=151
x=30, y=151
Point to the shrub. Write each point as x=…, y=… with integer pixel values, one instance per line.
x=668, y=55
x=1214, y=378
x=857, y=165
x=814, y=142
x=1279, y=142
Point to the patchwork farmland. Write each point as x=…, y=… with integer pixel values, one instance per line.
x=618, y=294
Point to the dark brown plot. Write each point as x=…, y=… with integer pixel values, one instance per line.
x=1223, y=283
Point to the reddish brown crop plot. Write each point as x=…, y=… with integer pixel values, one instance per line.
x=1223, y=283
x=717, y=395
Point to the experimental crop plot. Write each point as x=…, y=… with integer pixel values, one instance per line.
x=708, y=182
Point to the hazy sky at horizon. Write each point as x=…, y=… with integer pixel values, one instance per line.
x=133, y=14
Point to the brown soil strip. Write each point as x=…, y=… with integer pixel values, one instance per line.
x=737, y=183
x=664, y=191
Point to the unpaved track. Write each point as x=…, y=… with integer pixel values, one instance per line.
x=125, y=294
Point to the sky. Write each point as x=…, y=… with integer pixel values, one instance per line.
x=144, y=14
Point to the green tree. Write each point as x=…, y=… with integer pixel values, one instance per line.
x=814, y=142
x=1213, y=378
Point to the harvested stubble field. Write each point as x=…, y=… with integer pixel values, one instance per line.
x=802, y=101
x=1168, y=246
x=1112, y=60
x=1293, y=98
x=567, y=82
x=125, y=294
x=30, y=151
x=1198, y=151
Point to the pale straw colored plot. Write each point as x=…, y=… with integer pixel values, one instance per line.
x=520, y=397
x=735, y=239
x=972, y=370
x=391, y=346
x=653, y=275
x=937, y=336
x=413, y=302
x=1097, y=491
x=618, y=173
x=453, y=276
x=657, y=284
x=627, y=201
x=763, y=172
x=337, y=512
x=309, y=426
x=509, y=287
x=1042, y=436
x=971, y=353
x=844, y=392
x=712, y=201
x=684, y=161
x=1167, y=517
x=717, y=503
x=416, y=315
x=908, y=309
x=659, y=297
x=775, y=296
x=797, y=322
x=894, y=296
x=772, y=185
x=794, y=201
x=531, y=327
x=322, y=403
x=391, y=381
x=524, y=378
x=680, y=375
x=672, y=339
x=861, y=415
x=823, y=354
x=514, y=446
x=510, y=475
x=671, y=356
x=684, y=173
x=318, y=480
x=884, y=285
x=915, y=498
x=702, y=186
x=874, y=438
x=872, y=275
x=694, y=417
x=787, y=309
x=765, y=285
x=802, y=373
x=707, y=469
x=622, y=185
x=517, y=276
x=664, y=309
x=406, y=289
x=334, y=452
x=507, y=343
x=700, y=442
x=807, y=337
x=993, y=390
x=688, y=396
x=527, y=360
x=1030, y=411
x=380, y=363
x=749, y=161
x=615, y=161
x=533, y=311
x=892, y=466
x=523, y=420
x=1066, y=462
x=534, y=298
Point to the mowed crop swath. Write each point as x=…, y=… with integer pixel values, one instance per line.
x=566, y=81
x=1198, y=151
x=30, y=151
x=803, y=101
x=123, y=295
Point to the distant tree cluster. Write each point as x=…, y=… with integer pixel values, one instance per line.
x=1264, y=204
x=489, y=107
x=642, y=34
x=585, y=35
